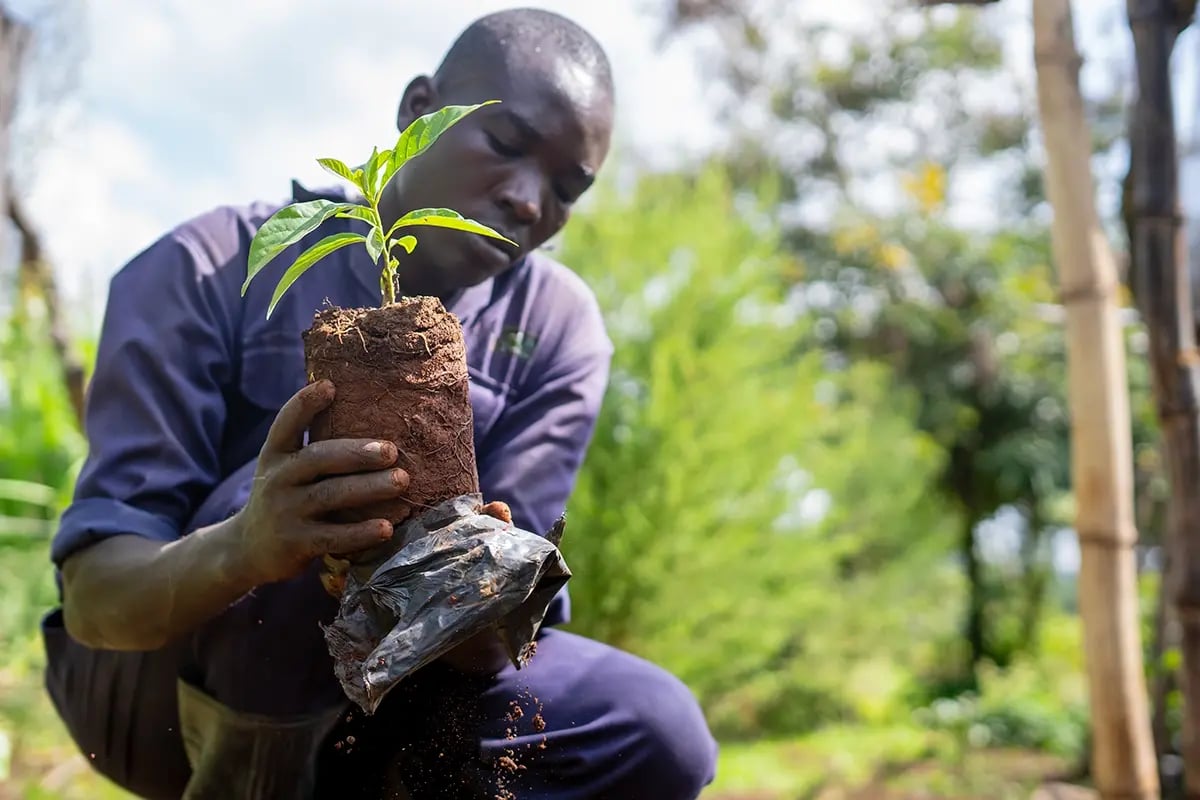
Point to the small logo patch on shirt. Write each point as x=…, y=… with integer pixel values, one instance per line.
x=516, y=342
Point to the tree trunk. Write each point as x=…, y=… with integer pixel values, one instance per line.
x=1036, y=578
x=1123, y=763
x=38, y=272
x=1164, y=294
x=14, y=41
x=35, y=271
x=973, y=622
x=1163, y=679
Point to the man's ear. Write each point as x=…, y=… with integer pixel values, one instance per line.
x=420, y=97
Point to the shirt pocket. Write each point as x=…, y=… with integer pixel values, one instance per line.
x=489, y=398
x=272, y=371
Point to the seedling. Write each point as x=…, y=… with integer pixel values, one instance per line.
x=400, y=366
x=293, y=222
x=401, y=375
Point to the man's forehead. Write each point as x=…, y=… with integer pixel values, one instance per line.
x=558, y=85
x=554, y=119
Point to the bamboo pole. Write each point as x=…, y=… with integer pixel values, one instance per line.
x=1123, y=762
x=1164, y=295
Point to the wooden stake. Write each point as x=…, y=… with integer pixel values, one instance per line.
x=1123, y=762
x=1163, y=289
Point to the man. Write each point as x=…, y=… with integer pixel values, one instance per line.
x=187, y=658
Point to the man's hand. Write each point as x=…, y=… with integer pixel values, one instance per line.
x=298, y=489
x=334, y=569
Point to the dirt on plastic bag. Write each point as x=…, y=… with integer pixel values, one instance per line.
x=456, y=572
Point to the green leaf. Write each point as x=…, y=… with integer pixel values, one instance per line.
x=358, y=212
x=375, y=245
x=445, y=218
x=309, y=257
x=370, y=185
x=409, y=243
x=37, y=494
x=340, y=169
x=24, y=527
x=284, y=228
x=423, y=132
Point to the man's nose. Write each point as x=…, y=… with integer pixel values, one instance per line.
x=521, y=196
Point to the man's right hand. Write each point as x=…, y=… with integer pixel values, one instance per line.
x=297, y=489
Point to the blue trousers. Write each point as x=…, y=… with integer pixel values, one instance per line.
x=581, y=720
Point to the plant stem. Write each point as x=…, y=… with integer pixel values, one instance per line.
x=387, y=281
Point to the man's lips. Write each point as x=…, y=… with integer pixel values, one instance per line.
x=507, y=250
x=493, y=254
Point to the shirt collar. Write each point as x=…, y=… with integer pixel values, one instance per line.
x=466, y=304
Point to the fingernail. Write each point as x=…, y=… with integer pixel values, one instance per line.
x=400, y=478
x=377, y=449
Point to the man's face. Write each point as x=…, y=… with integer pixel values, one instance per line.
x=517, y=166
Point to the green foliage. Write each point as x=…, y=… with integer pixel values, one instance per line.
x=293, y=222
x=40, y=450
x=422, y=133
x=878, y=136
x=332, y=242
x=1026, y=705
x=40, y=444
x=733, y=497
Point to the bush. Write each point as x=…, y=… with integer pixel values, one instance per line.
x=753, y=517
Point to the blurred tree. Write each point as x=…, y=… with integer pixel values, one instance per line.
x=911, y=191
x=735, y=494
x=39, y=60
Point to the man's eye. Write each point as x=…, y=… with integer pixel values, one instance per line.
x=565, y=197
x=502, y=148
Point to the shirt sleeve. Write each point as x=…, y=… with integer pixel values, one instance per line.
x=156, y=400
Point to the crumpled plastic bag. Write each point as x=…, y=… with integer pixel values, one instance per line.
x=457, y=572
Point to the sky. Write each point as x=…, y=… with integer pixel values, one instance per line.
x=179, y=106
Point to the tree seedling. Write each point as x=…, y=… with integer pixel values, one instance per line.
x=293, y=222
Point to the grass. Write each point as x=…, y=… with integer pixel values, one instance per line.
x=883, y=763
x=37, y=759
x=39, y=762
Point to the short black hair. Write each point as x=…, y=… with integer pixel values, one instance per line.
x=512, y=39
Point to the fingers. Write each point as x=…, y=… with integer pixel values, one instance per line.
x=350, y=491
x=338, y=457
x=333, y=586
x=350, y=538
x=287, y=431
x=498, y=509
x=333, y=574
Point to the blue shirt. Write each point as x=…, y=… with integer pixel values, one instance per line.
x=189, y=376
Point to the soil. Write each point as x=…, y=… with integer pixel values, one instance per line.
x=400, y=374
x=509, y=764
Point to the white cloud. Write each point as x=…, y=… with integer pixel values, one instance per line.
x=86, y=206
x=187, y=105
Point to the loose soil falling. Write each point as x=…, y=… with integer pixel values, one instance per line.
x=509, y=763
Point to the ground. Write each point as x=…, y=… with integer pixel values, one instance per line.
x=860, y=762
x=850, y=764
